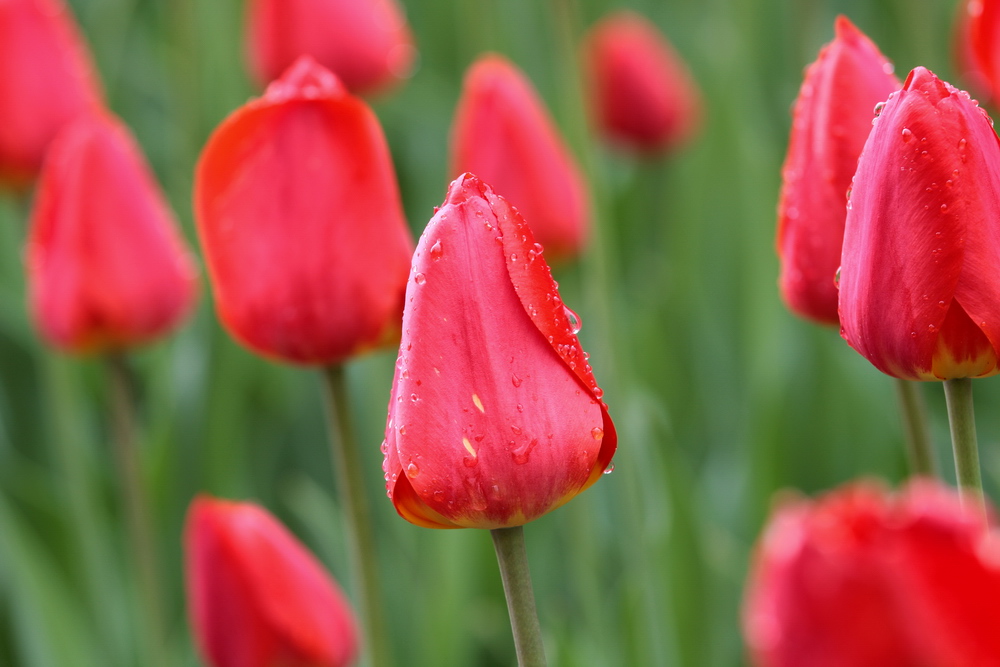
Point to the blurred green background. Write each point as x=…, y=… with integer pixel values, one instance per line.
x=720, y=396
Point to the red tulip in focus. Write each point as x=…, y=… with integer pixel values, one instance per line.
x=643, y=95
x=503, y=134
x=46, y=80
x=832, y=119
x=978, y=46
x=257, y=597
x=300, y=218
x=495, y=417
x=107, y=268
x=367, y=44
x=864, y=579
x=919, y=287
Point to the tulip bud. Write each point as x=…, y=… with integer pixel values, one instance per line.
x=257, y=597
x=46, y=80
x=861, y=578
x=832, y=119
x=503, y=134
x=367, y=44
x=495, y=417
x=643, y=96
x=919, y=292
x=299, y=215
x=107, y=268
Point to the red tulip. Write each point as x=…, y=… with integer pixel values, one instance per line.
x=367, y=44
x=832, y=119
x=299, y=214
x=257, y=597
x=643, y=95
x=978, y=46
x=107, y=268
x=919, y=289
x=46, y=80
x=495, y=416
x=503, y=134
x=863, y=579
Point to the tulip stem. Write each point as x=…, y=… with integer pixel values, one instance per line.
x=350, y=474
x=961, y=417
x=513, y=560
x=918, y=442
x=136, y=507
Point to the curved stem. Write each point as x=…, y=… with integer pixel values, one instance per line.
x=918, y=442
x=136, y=507
x=962, y=419
x=349, y=473
x=513, y=560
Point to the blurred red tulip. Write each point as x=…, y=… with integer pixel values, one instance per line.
x=367, y=44
x=300, y=218
x=919, y=288
x=503, y=134
x=257, y=597
x=832, y=119
x=864, y=579
x=643, y=96
x=107, y=268
x=46, y=80
x=978, y=46
x=495, y=417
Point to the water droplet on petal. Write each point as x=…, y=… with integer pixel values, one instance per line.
x=597, y=432
x=516, y=381
x=420, y=279
x=436, y=250
x=907, y=135
x=878, y=108
x=412, y=470
x=575, y=322
x=610, y=469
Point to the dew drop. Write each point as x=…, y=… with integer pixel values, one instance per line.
x=516, y=381
x=913, y=334
x=598, y=392
x=944, y=208
x=414, y=398
x=438, y=496
x=597, y=432
x=878, y=108
x=520, y=408
x=402, y=430
x=420, y=279
x=384, y=448
x=931, y=328
x=962, y=143
x=436, y=250
x=575, y=322
x=412, y=470
x=610, y=469
x=907, y=135
x=515, y=429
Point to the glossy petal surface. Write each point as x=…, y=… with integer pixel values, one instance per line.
x=919, y=291
x=46, y=80
x=495, y=417
x=367, y=44
x=832, y=119
x=257, y=597
x=860, y=578
x=978, y=46
x=643, y=96
x=503, y=134
x=106, y=266
x=299, y=214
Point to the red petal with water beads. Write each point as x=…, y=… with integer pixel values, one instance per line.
x=495, y=416
x=300, y=217
x=919, y=290
x=831, y=121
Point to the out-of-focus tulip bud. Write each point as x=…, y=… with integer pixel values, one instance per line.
x=643, y=96
x=978, y=46
x=367, y=44
x=861, y=578
x=299, y=215
x=831, y=121
x=919, y=288
x=46, y=80
x=503, y=134
x=257, y=597
x=107, y=268
x=495, y=417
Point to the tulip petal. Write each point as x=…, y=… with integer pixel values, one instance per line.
x=301, y=221
x=921, y=239
x=495, y=417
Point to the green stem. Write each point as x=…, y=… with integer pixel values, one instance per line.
x=136, y=506
x=918, y=442
x=961, y=417
x=349, y=473
x=513, y=560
